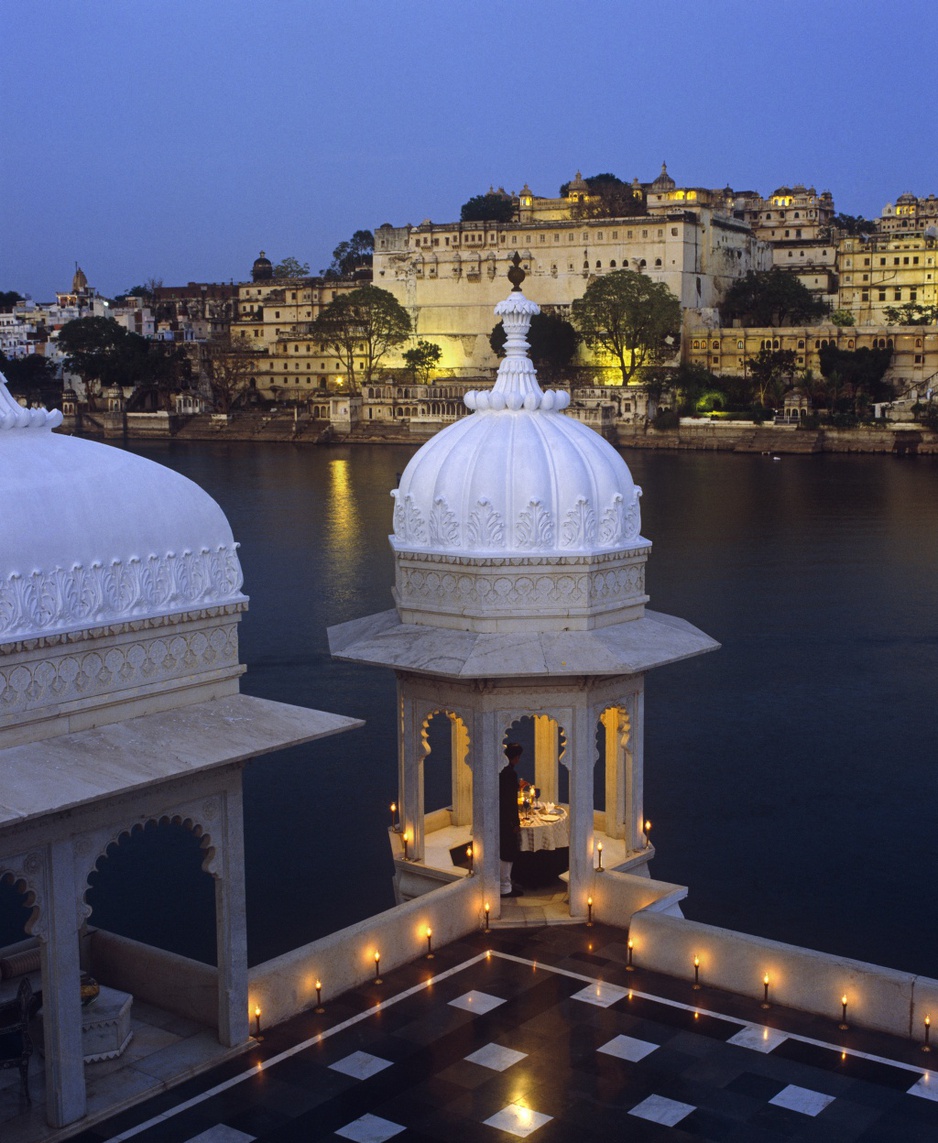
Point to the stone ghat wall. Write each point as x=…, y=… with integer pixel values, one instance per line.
x=741, y=436
x=714, y=436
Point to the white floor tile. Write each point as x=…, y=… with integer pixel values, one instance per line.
x=658, y=1109
x=496, y=1057
x=370, y=1129
x=222, y=1134
x=802, y=1099
x=758, y=1038
x=361, y=1065
x=926, y=1087
x=474, y=1001
x=628, y=1048
x=600, y=994
x=518, y=1120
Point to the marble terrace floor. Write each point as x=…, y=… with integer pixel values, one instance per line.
x=542, y=1033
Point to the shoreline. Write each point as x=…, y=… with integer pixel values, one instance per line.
x=896, y=439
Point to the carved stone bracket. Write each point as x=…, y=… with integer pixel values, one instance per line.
x=27, y=872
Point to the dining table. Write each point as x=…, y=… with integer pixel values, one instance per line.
x=544, y=828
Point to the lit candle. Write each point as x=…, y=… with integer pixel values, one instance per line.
x=599, y=850
x=486, y=910
x=765, y=985
x=843, y=1013
x=926, y=1047
x=257, y=1017
x=647, y=833
x=629, y=966
x=393, y=814
x=377, y=967
x=470, y=853
x=406, y=842
x=429, y=943
x=319, y=1007
x=696, y=972
x=589, y=912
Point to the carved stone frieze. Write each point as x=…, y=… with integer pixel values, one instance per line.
x=57, y=599
x=72, y=672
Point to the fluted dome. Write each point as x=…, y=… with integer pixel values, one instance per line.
x=93, y=535
x=517, y=486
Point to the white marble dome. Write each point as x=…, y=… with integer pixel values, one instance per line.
x=518, y=476
x=518, y=517
x=93, y=535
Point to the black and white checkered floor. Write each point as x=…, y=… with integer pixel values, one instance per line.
x=494, y=1044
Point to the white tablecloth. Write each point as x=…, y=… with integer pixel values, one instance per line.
x=544, y=831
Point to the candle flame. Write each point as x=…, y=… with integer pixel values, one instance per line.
x=257, y=1010
x=765, y=979
x=696, y=962
x=843, y=999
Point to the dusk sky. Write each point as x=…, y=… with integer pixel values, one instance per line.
x=176, y=139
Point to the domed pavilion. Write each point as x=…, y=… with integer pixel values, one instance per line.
x=520, y=594
x=120, y=598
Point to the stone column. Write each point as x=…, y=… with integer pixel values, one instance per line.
x=61, y=993
x=461, y=774
x=634, y=800
x=487, y=757
x=581, y=751
x=616, y=779
x=411, y=757
x=231, y=922
x=546, y=752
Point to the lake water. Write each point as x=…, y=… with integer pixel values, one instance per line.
x=790, y=777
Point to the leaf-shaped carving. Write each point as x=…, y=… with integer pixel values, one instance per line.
x=415, y=530
x=485, y=528
x=632, y=524
x=610, y=529
x=535, y=527
x=444, y=527
x=579, y=526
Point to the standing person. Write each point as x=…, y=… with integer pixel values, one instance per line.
x=509, y=820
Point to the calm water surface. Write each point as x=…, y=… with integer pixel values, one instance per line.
x=790, y=776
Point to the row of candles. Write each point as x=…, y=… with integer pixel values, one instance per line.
x=766, y=1003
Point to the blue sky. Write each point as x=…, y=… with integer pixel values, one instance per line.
x=176, y=139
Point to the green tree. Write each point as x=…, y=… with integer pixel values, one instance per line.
x=361, y=327
x=96, y=349
x=843, y=318
x=355, y=254
x=854, y=378
x=553, y=343
x=421, y=359
x=772, y=372
x=769, y=298
x=8, y=299
x=229, y=364
x=611, y=198
x=34, y=378
x=911, y=313
x=854, y=224
x=291, y=268
x=632, y=317
x=491, y=207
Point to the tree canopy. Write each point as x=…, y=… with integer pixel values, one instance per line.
x=491, y=207
x=630, y=316
x=769, y=298
x=361, y=327
x=553, y=343
x=102, y=352
x=355, y=254
x=291, y=267
x=911, y=313
x=421, y=359
x=611, y=198
x=32, y=377
x=8, y=299
x=854, y=224
x=229, y=364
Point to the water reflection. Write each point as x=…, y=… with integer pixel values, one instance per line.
x=343, y=529
x=790, y=776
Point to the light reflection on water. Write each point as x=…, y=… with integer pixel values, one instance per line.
x=790, y=775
